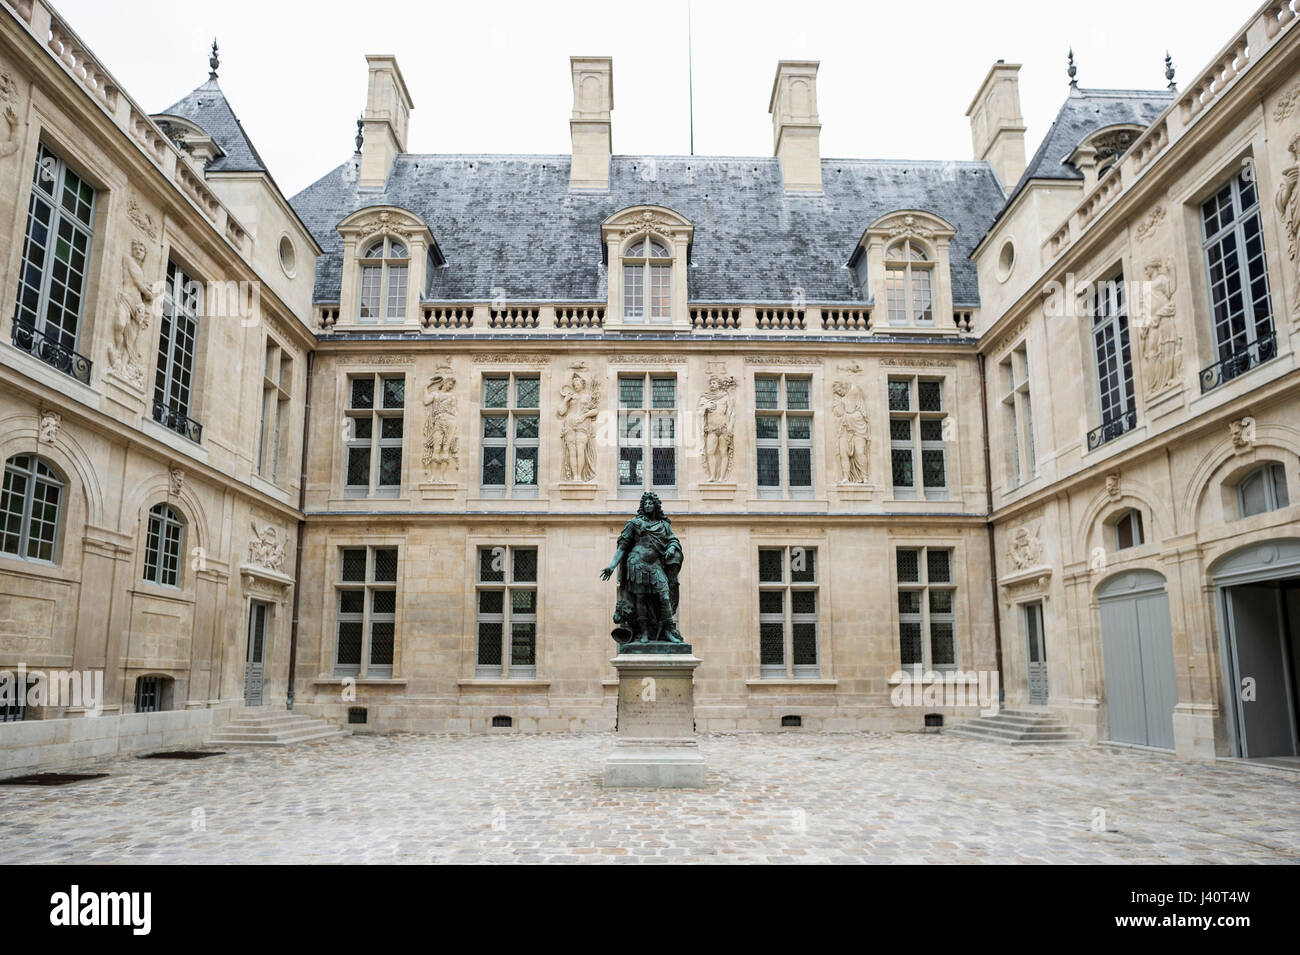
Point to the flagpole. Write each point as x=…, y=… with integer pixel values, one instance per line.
x=690, y=74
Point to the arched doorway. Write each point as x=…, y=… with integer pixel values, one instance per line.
x=1259, y=638
x=1138, y=659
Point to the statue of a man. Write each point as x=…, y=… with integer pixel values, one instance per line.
x=648, y=559
x=717, y=420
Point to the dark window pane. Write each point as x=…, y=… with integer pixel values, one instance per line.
x=803, y=564
x=354, y=563
x=528, y=392
x=803, y=601
x=394, y=392
x=771, y=644
x=804, y=644
x=938, y=565
x=524, y=570
x=901, y=466
x=765, y=393
x=771, y=566
x=796, y=393
x=771, y=601
x=769, y=467
x=496, y=392
x=523, y=644
x=909, y=566
x=385, y=563
x=381, y=644
x=489, y=643
x=491, y=601
x=492, y=563
x=942, y=649
x=929, y=396
x=909, y=642
x=900, y=396
x=349, y=648
x=363, y=392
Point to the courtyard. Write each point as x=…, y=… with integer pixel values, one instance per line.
x=781, y=798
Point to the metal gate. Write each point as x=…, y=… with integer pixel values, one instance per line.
x=254, y=661
x=1036, y=654
x=1138, y=659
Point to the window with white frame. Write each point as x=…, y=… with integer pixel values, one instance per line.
x=277, y=380
x=174, y=378
x=30, y=507
x=162, y=546
x=788, y=601
x=909, y=284
x=1262, y=489
x=1017, y=417
x=375, y=423
x=506, y=598
x=926, y=597
x=1113, y=361
x=783, y=421
x=1233, y=240
x=52, y=277
x=916, y=435
x=647, y=281
x=647, y=434
x=367, y=612
x=511, y=434
x=385, y=264
x=1128, y=530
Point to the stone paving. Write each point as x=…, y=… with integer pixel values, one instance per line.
x=788, y=798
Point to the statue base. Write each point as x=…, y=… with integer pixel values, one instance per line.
x=656, y=745
x=630, y=647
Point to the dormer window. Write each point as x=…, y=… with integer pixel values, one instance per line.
x=384, y=266
x=909, y=284
x=647, y=281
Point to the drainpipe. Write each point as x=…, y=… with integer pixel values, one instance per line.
x=302, y=527
x=993, y=561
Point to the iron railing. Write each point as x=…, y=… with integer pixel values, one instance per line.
x=35, y=342
x=176, y=420
x=1238, y=363
x=1111, y=428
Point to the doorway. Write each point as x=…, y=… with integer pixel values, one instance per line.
x=255, y=656
x=1036, y=653
x=1138, y=659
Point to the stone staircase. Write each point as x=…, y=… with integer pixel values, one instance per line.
x=274, y=728
x=1018, y=728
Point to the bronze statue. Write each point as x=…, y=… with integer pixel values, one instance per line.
x=648, y=559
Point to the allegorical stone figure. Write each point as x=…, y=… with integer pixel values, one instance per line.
x=1162, y=346
x=579, y=406
x=134, y=301
x=717, y=425
x=648, y=560
x=854, y=437
x=440, y=441
x=1288, y=204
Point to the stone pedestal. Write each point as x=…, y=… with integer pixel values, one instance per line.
x=656, y=745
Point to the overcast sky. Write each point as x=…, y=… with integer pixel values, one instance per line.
x=492, y=76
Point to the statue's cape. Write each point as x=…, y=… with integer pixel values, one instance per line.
x=668, y=547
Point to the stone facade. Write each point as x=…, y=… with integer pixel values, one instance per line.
x=839, y=432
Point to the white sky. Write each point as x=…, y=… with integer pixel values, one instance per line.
x=493, y=76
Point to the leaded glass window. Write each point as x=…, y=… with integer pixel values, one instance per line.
x=506, y=602
x=384, y=269
x=511, y=430
x=366, y=591
x=647, y=281
x=783, y=422
x=926, y=599
x=375, y=428
x=788, y=604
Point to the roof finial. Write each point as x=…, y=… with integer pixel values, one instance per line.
x=1072, y=70
x=213, y=61
x=360, y=134
x=1169, y=71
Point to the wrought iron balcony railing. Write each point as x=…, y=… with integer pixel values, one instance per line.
x=1239, y=362
x=1112, y=428
x=37, y=343
x=177, y=421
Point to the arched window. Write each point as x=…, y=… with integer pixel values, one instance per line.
x=384, y=267
x=647, y=274
x=162, y=546
x=29, y=508
x=1261, y=490
x=1128, y=530
x=909, y=284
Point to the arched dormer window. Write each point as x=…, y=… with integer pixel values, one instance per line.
x=384, y=267
x=909, y=283
x=1261, y=490
x=647, y=281
x=162, y=547
x=30, y=507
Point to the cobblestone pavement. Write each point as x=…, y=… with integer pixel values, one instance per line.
x=787, y=798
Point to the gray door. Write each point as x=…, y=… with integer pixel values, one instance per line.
x=1036, y=654
x=1138, y=660
x=1257, y=630
x=254, y=662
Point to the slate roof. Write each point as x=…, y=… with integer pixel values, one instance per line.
x=511, y=222
x=1083, y=113
x=207, y=108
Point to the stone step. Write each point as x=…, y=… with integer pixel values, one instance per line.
x=274, y=729
x=1017, y=727
x=1049, y=726
x=240, y=740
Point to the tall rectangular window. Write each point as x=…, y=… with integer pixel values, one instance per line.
x=926, y=594
x=1017, y=418
x=511, y=433
x=375, y=423
x=783, y=421
x=52, y=277
x=916, y=436
x=1238, y=277
x=506, y=598
x=162, y=546
x=174, y=378
x=367, y=612
x=787, y=613
x=647, y=434
x=277, y=380
x=1114, y=362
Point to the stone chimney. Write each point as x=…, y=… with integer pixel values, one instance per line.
x=997, y=130
x=593, y=100
x=388, y=111
x=796, y=131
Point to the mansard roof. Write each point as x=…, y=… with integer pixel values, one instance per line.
x=1083, y=113
x=207, y=108
x=512, y=222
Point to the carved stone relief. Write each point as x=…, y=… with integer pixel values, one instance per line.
x=441, y=453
